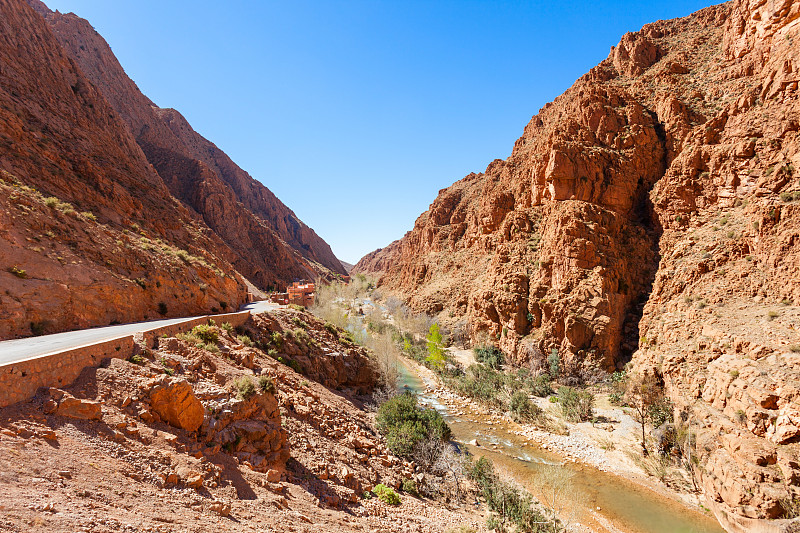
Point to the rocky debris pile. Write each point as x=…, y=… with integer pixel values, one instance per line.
x=249, y=429
x=320, y=351
x=273, y=447
x=62, y=403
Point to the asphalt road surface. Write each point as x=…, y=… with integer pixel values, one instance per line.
x=21, y=349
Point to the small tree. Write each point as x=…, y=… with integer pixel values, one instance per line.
x=643, y=392
x=553, y=362
x=576, y=405
x=450, y=461
x=435, y=347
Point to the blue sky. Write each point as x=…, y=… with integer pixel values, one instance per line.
x=355, y=113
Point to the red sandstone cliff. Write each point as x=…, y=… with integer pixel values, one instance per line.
x=270, y=244
x=89, y=234
x=112, y=210
x=652, y=213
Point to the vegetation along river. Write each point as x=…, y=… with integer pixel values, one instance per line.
x=624, y=505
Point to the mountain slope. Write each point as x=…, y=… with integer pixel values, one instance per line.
x=650, y=213
x=248, y=217
x=77, y=248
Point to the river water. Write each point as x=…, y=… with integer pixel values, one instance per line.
x=624, y=506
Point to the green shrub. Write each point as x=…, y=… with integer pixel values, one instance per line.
x=790, y=196
x=489, y=355
x=137, y=359
x=299, y=323
x=277, y=339
x=410, y=486
x=480, y=383
x=772, y=315
x=540, y=386
x=227, y=327
x=297, y=307
x=386, y=494
x=294, y=365
x=554, y=363
x=244, y=339
x=207, y=333
x=616, y=398
x=301, y=335
x=266, y=384
x=576, y=405
x=18, y=272
x=405, y=424
x=245, y=386
x=522, y=409
x=332, y=329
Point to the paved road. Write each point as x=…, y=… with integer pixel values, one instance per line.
x=19, y=349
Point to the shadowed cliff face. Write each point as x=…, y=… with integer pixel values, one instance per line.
x=113, y=210
x=650, y=213
x=268, y=243
x=89, y=233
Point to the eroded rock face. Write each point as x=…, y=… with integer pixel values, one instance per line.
x=78, y=199
x=250, y=429
x=176, y=404
x=267, y=243
x=112, y=210
x=652, y=213
x=320, y=353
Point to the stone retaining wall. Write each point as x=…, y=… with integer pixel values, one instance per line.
x=20, y=380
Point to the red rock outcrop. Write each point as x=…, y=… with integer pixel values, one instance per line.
x=652, y=213
x=174, y=401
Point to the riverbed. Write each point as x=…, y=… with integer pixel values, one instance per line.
x=600, y=500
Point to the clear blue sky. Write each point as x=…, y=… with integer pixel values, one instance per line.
x=355, y=113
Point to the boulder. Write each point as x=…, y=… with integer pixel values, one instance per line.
x=64, y=404
x=175, y=402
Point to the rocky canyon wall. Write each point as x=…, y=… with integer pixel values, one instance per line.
x=112, y=209
x=650, y=214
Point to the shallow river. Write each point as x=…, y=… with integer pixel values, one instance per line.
x=630, y=507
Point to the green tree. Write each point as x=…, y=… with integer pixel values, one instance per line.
x=553, y=362
x=406, y=425
x=645, y=395
x=435, y=347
